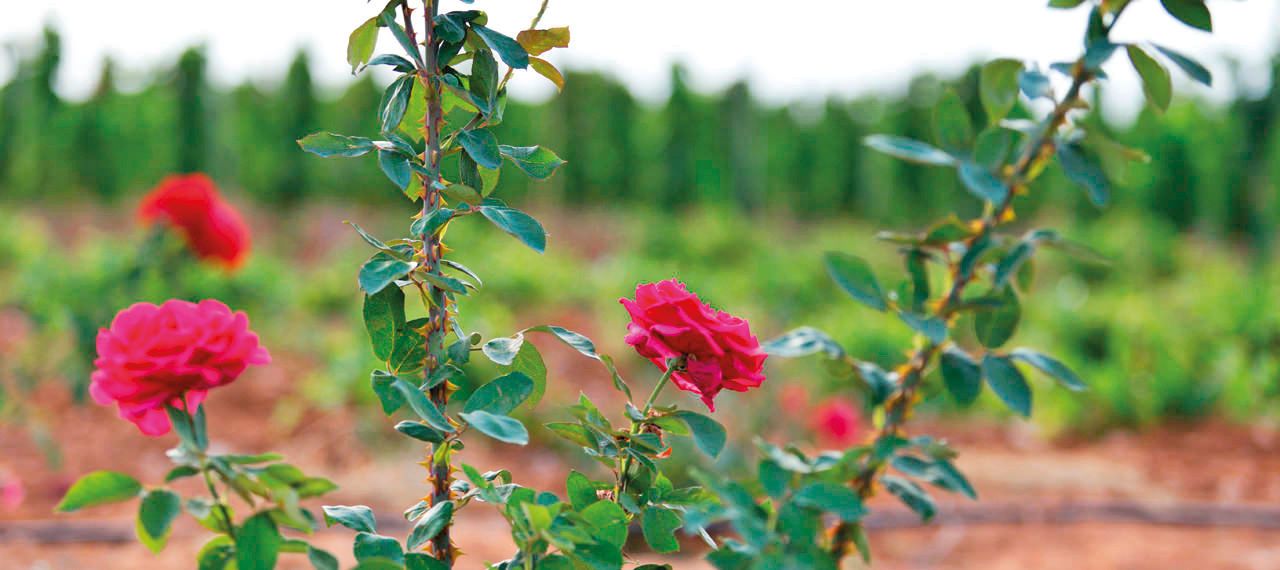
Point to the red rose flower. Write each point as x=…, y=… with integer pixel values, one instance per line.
x=667, y=321
x=838, y=423
x=170, y=354
x=191, y=204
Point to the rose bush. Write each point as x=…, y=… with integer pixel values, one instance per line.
x=191, y=204
x=174, y=353
x=718, y=349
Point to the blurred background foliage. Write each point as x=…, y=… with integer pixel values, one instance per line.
x=735, y=197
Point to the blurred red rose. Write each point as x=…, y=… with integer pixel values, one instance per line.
x=837, y=423
x=211, y=227
x=170, y=354
x=667, y=321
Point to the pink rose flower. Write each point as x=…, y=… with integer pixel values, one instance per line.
x=667, y=321
x=12, y=493
x=838, y=423
x=191, y=204
x=170, y=354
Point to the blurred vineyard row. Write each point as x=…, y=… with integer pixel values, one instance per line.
x=1217, y=164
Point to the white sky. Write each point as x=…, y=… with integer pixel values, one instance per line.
x=788, y=51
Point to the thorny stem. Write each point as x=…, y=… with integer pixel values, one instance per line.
x=672, y=366
x=438, y=459
x=898, y=408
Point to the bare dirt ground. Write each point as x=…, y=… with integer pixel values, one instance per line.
x=1014, y=470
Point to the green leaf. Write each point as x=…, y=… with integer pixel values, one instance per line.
x=995, y=327
x=1193, y=13
x=951, y=123
x=659, y=527
x=998, y=88
x=384, y=388
x=961, y=375
x=581, y=492
x=830, y=497
x=181, y=472
x=1013, y=260
x=775, y=479
x=511, y=52
x=481, y=146
x=536, y=161
x=609, y=521
x=803, y=342
x=1007, y=382
x=992, y=148
x=420, y=431
x=1191, y=67
x=501, y=395
x=707, y=433
x=361, y=42
x=155, y=517
x=910, y=150
x=422, y=406
x=431, y=523
x=358, y=518
x=911, y=495
x=396, y=167
x=1064, y=4
x=461, y=193
x=371, y=546
x=501, y=428
x=1035, y=84
x=394, y=102
x=1156, y=83
x=387, y=19
x=503, y=350
x=326, y=145
x=420, y=561
x=99, y=488
x=258, y=543
x=1050, y=366
x=216, y=554
x=483, y=85
x=518, y=224
x=932, y=328
x=321, y=560
x=384, y=319
x=528, y=361
x=1083, y=171
x=854, y=275
x=545, y=69
x=380, y=271
x=982, y=183
x=432, y=223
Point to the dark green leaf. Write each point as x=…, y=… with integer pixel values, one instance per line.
x=503, y=350
x=803, y=342
x=155, y=517
x=529, y=362
x=430, y=224
x=511, y=52
x=380, y=271
x=536, y=161
x=1193, y=13
x=1007, y=382
x=932, y=328
x=358, y=518
x=580, y=490
x=659, y=527
x=181, y=472
x=911, y=495
x=1009, y=265
x=982, y=183
x=501, y=428
x=1191, y=67
x=609, y=522
x=420, y=431
x=518, y=224
x=387, y=19
x=427, y=527
x=1083, y=171
x=394, y=102
x=501, y=395
x=321, y=560
x=371, y=546
x=98, y=488
x=483, y=84
x=1035, y=85
x=396, y=167
x=422, y=405
x=258, y=543
x=995, y=327
x=482, y=147
x=384, y=387
x=216, y=554
x=326, y=145
x=1049, y=365
x=961, y=375
x=830, y=497
x=910, y=150
x=384, y=319
x=854, y=275
x=707, y=433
